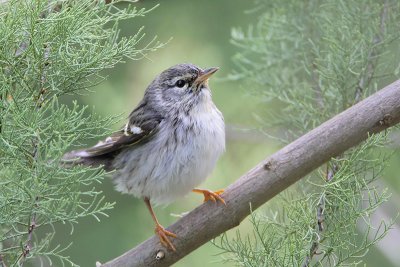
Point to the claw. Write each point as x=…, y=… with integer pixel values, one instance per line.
x=210, y=195
x=163, y=236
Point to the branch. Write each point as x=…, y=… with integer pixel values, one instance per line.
x=270, y=177
x=2, y=262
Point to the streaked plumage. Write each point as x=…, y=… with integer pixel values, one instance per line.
x=170, y=143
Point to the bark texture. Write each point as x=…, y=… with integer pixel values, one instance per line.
x=271, y=176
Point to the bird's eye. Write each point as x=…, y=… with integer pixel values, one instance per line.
x=180, y=83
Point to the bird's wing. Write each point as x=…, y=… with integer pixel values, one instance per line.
x=117, y=141
x=142, y=125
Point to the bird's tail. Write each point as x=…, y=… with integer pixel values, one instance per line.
x=81, y=157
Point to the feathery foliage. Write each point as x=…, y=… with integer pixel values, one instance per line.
x=49, y=49
x=312, y=60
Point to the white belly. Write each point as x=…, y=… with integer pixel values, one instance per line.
x=171, y=165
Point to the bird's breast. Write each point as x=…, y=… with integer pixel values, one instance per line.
x=198, y=141
x=177, y=159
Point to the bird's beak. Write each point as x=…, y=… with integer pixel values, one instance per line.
x=204, y=75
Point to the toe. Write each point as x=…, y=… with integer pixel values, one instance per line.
x=218, y=197
x=168, y=233
x=219, y=192
x=208, y=197
x=214, y=196
x=163, y=236
x=167, y=243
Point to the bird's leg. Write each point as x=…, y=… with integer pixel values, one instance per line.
x=210, y=195
x=160, y=231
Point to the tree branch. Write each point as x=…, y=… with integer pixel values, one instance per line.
x=270, y=177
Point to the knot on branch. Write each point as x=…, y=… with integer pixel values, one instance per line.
x=387, y=120
x=268, y=165
x=160, y=255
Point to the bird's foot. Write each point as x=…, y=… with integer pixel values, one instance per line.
x=163, y=235
x=210, y=195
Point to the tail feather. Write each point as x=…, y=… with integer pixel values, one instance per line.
x=81, y=157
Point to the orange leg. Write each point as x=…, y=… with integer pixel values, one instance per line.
x=210, y=195
x=160, y=231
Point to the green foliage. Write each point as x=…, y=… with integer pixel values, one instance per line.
x=313, y=60
x=50, y=49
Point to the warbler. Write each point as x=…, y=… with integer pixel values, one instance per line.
x=169, y=145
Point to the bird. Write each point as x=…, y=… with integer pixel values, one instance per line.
x=169, y=145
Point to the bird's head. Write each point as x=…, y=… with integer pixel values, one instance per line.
x=184, y=85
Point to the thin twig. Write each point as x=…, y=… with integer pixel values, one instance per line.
x=27, y=247
x=331, y=169
x=372, y=59
x=2, y=262
x=317, y=87
x=28, y=244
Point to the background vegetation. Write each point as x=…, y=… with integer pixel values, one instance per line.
x=200, y=32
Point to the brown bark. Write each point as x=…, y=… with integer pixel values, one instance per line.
x=270, y=177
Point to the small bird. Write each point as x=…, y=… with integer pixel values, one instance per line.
x=169, y=145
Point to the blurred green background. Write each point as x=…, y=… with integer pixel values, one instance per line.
x=200, y=32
